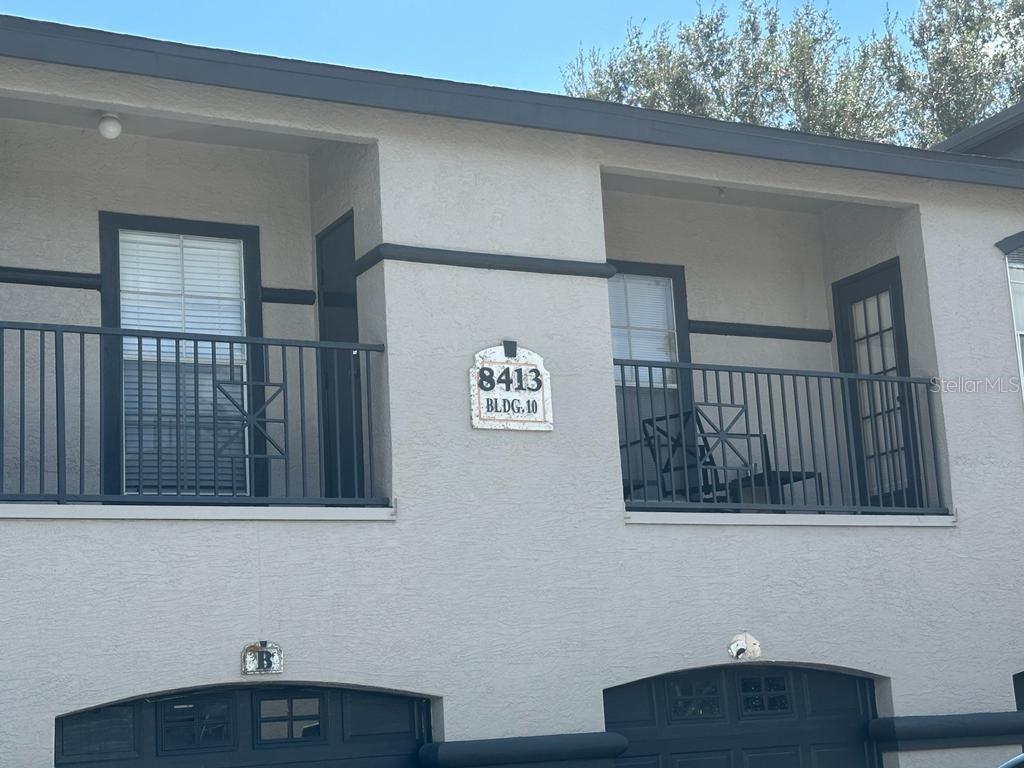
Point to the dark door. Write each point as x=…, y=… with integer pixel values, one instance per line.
x=758, y=716
x=872, y=340
x=341, y=407
x=265, y=726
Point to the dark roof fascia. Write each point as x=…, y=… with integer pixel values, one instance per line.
x=981, y=132
x=76, y=46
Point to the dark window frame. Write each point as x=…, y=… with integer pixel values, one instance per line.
x=763, y=676
x=232, y=720
x=323, y=718
x=720, y=698
x=111, y=369
x=677, y=274
x=58, y=747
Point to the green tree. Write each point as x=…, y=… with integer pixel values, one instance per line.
x=951, y=64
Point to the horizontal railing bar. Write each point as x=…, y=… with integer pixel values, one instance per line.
x=773, y=371
x=824, y=509
x=171, y=335
x=202, y=501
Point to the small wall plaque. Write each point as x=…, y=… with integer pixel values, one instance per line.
x=509, y=388
x=262, y=658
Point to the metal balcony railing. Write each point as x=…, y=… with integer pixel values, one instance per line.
x=697, y=437
x=128, y=416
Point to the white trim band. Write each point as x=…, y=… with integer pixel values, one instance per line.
x=18, y=511
x=772, y=518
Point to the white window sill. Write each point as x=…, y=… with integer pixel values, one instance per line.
x=186, y=512
x=771, y=518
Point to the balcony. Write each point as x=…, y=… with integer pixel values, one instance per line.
x=91, y=414
x=726, y=438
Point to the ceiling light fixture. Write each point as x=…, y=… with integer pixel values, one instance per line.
x=110, y=126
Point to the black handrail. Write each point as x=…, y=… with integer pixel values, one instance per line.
x=112, y=415
x=714, y=437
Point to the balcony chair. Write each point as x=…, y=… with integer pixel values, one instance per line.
x=717, y=452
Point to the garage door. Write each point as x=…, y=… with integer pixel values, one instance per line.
x=744, y=716
x=246, y=727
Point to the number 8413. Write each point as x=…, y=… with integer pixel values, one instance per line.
x=528, y=380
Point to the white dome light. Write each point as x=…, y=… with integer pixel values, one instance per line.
x=110, y=126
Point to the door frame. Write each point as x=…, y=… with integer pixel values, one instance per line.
x=111, y=355
x=888, y=275
x=331, y=451
x=349, y=215
x=877, y=278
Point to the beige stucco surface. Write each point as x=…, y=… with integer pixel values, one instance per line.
x=509, y=586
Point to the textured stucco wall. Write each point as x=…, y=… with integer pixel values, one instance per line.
x=491, y=191
x=509, y=586
x=342, y=178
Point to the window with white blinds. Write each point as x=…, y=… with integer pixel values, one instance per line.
x=181, y=283
x=184, y=427
x=642, y=318
x=1016, y=270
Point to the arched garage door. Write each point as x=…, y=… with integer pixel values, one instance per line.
x=744, y=715
x=248, y=727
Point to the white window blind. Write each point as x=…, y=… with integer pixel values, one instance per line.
x=643, y=322
x=181, y=283
x=1016, y=270
x=184, y=427
x=643, y=318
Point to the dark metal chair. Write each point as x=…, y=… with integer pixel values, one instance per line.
x=697, y=479
x=730, y=449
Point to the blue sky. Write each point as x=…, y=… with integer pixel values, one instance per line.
x=515, y=43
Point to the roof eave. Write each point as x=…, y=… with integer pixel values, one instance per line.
x=75, y=46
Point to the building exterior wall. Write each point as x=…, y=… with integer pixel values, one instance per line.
x=509, y=586
x=342, y=178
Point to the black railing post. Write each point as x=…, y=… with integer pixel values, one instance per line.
x=939, y=493
x=58, y=372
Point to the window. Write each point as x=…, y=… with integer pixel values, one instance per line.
x=98, y=733
x=184, y=402
x=289, y=718
x=643, y=322
x=196, y=723
x=694, y=697
x=1016, y=270
x=181, y=283
x=764, y=695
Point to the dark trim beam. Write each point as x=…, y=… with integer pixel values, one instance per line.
x=289, y=296
x=52, y=278
x=789, y=333
x=947, y=731
x=1012, y=243
x=419, y=255
x=523, y=749
x=94, y=49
